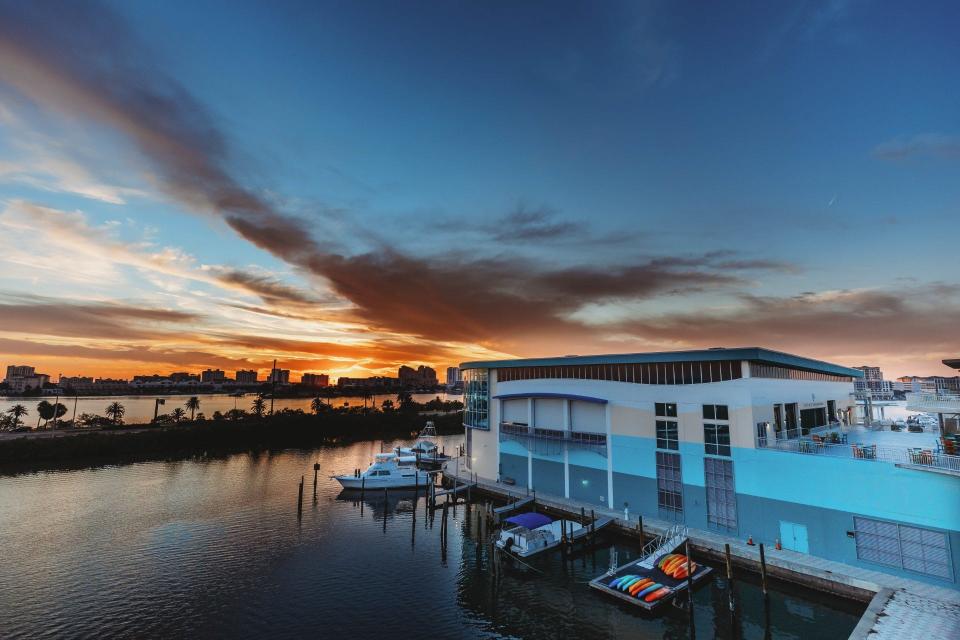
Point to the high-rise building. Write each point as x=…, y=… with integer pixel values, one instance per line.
x=213, y=376
x=246, y=376
x=19, y=371
x=453, y=376
x=279, y=376
x=422, y=376
x=315, y=380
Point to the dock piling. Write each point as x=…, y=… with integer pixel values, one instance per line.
x=763, y=571
x=686, y=551
x=316, y=468
x=640, y=529
x=300, y=500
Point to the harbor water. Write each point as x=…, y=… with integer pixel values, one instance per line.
x=213, y=548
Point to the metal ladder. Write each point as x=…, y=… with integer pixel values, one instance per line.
x=670, y=540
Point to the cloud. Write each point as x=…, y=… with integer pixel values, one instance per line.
x=919, y=320
x=110, y=320
x=925, y=144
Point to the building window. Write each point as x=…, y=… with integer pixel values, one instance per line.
x=907, y=547
x=665, y=410
x=721, y=496
x=469, y=444
x=669, y=483
x=715, y=412
x=667, y=435
x=716, y=439
x=476, y=398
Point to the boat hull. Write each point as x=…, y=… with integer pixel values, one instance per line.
x=411, y=482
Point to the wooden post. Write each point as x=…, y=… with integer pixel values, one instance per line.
x=686, y=550
x=300, y=500
x=363, y=482
x=726, y=552
x=593, y=525
x=763, y=571
x=316, y=468
x=640, y=527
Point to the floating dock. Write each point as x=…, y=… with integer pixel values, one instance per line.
x=606, y=582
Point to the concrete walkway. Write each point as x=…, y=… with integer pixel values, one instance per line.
x=896, y=604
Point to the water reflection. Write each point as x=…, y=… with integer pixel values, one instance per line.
x=214, y=547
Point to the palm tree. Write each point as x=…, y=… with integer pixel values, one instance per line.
x=115, y=411
x=17, y=411
x=178, y=414
x=405, y=398
x=316, y=405
x=45, y=411
x=258, y=406
x=193, y=404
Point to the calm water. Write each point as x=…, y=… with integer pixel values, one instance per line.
x=139, y=409
x=213, y=549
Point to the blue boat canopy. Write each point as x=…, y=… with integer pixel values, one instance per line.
x=529, y=520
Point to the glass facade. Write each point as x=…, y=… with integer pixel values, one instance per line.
x=476, y=398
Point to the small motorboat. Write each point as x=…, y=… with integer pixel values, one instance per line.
x=529, y=533
x=388, y=471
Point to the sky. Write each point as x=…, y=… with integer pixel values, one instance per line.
x=351, y=186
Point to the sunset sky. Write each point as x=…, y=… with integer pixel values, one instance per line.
x=349, y=186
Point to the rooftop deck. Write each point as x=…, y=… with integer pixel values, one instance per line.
x=905, y=449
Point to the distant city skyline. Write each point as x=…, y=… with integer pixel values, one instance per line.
x=349, y=187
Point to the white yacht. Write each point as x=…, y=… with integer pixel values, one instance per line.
x=425, y=450
x=388, y=471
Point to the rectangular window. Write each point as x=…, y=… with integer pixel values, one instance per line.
x=721, y=495
x=665, y=409
x=715, y=412
x=667, y=435
x=716, y=439
x=912, y=548
x=669, y=483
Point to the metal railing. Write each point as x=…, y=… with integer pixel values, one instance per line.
x=896, y=455
x=669, y=538
x=552, y=441
x=934, y=402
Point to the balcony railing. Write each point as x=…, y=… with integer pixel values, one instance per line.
x=934, y=402
x=552, y=441
x=873, y=452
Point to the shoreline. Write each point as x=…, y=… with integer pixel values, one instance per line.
x=82, y=448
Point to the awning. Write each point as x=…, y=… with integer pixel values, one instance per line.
x=529, y=520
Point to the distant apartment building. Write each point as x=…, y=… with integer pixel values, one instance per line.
x=78, y=384
x=213, y=376
x=422, y=376
x=110, y=385
x=19, y=371
x=315, y=380
x=931, y=384
x=246, y=376
x=183, y=376
x=279, y=376
x=453, y=376
x=21, y=378
x=873, y=383
x=373, y=382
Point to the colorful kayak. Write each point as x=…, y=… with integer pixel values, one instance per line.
x=616, y=581
x=635, y=589
x=625, y=586
x=650, y=589
x=656, y=595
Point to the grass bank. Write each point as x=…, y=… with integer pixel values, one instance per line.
x=214, y=438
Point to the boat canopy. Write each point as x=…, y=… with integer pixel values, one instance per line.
x=529, y=520
x=383, y=457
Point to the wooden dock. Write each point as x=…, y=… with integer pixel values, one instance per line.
x=881, y=619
